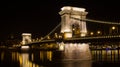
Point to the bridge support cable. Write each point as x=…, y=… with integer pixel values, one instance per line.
x=97, y=21
x=51, y=31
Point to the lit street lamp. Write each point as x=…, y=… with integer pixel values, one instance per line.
x=98, y=32
x=91, y=33
x=114, y=30
x=113, y=27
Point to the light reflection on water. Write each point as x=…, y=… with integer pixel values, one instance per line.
x=77, y=51
x=39, y=58
x=106, y=55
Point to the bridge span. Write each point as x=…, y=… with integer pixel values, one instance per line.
x=80, y=39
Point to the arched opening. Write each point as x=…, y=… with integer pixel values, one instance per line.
x=75, y=30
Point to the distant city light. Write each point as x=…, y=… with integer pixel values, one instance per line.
x=98, y=32
x=113, y=28
x=91, y=33
x=83, y=34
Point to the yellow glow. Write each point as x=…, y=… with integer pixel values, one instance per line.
x=73, y=8
x=48, y=37
x=13, y=56
x=91, y=33
x=41, y=55
x=83, y=34
x=32, y=57
x=81, y=49
x=84, y=31
x=24, y=47
x=113, y=28
x=67, y=30
x=66, y=8
x=28, y=34
x=78, y=9
x=60, y=36
x=2, y=55
x=23, y=60
x=73, y=28
x=98, y=32
x=61, y=46
x=49, y=55
x=67, y=35
x=20, y=59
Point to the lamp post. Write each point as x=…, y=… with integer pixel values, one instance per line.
x=114, y=30
x=91, y=33
x=99, y=32
x=113, y=27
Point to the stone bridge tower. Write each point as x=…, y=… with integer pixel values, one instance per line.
x=26, y=38
x=69, y=17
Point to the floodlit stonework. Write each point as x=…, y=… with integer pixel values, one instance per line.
x=26, y=38
x=69, y=17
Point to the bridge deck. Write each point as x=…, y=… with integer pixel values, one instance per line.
x=81, y=39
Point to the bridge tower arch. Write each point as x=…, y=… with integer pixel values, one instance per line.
x=26, y=38
x=68, y=14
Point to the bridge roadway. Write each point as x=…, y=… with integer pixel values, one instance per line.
x=81, y=39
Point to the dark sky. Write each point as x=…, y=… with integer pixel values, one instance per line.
x=40, y=17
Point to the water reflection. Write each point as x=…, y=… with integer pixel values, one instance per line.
x=44, y=58
x=77, y=51
x=37, y=59
x=72, y=64
x=106, y=55
x=16, y=59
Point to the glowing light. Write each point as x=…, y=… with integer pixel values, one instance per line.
x=24, y=47
x=66, y=8
x=91, y=33
x=24, y=34
x=61, y=46
x=83, y=34
x=2, y=56
x=113, y=28
x=67, y=35
x=98, y=32
x=79, y=51
x=49, y=55
x=73, y=8
x=32, y=57
x=73, y=28
x=78, y=9
x=67, y=30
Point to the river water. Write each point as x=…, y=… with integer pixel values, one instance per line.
x=55, y=58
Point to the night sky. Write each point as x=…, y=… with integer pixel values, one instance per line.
x=40, y=17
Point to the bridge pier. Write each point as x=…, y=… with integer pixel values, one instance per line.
x=75, y=51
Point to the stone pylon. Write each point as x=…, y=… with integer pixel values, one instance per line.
x=70, y=16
